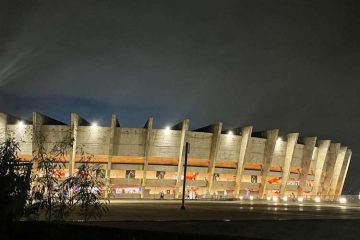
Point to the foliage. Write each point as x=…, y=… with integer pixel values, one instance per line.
x=87, y=184
x=14, y=181
x=49, y=164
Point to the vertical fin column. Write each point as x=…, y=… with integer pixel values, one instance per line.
x=343, y=172
x=114, y=124
x=271, y=136
x=74, y=130
x=245, y=137
x=289, y=154
x=184, y=128
x=3, y=126
x=320, y=160
x=149, y=127
x=309, y=146
x=213, y=154
x=336, y=173
x=37, y=138
x=328, y=169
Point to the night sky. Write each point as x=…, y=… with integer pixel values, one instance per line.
x=290, y=64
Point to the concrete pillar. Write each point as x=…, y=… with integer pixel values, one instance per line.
x=149, y=127
x=343, y=172
x=184, y=129
x=328, y=169
x=271, y=136
x=290, y=148
x=74, y=130
x=3, y=126
x=216, y=129
x=245, y=137
x=309, y=147
x=114, y=125
x=37, y=138
x=320, y=160
x=336, y=173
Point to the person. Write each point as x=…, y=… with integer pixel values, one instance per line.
x=196, y=196
x=293, y=197
x=161, y=195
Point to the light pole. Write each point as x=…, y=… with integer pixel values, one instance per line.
x=187, y=148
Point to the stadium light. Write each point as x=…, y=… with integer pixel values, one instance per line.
x=167, y=128
x=230, y=133
x=94, y=124
x=20, y=123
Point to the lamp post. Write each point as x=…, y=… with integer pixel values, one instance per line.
x=187, y=148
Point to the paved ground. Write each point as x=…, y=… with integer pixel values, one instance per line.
x=226, y=210
x=265, y=220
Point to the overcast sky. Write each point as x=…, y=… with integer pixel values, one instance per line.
x=292, y=65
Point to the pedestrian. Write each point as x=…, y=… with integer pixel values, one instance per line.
x=161, y=195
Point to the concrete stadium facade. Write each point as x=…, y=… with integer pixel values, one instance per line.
x=142, y=162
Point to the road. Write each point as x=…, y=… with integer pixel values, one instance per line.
x=265, y=220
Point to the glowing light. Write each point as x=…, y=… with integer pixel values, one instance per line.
x=342, y=200
x=94, y=124
x=268, y=198
x=230, y=133
x=300, y=199
x=251, y=197
x=20, y=123
x=317, y=199
x=275, y=198
x=167, y=128
x=241, y=197
x=285, y=198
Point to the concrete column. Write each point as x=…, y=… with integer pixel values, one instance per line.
x=184, y=129
x=289, y=154
x=336, y=172
x=343, y=172
x=114, y=125
x=37, y=139
x=3, y=126
x=149, y=127
x=271, y=136
x=309, y=147
x=245, y=137
x=74, y=130
x=328, y=169
x=213, y=154
x=320, y=160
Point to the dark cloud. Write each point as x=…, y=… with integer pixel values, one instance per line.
x=291, y=65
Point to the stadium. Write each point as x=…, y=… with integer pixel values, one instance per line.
x=222, y=164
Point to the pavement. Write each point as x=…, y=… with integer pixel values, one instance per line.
x=253, y=219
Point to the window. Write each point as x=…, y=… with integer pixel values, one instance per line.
x=160, y=174
x=253, y=179
x=130, y=174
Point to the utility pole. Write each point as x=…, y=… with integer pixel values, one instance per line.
x=187, y=148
